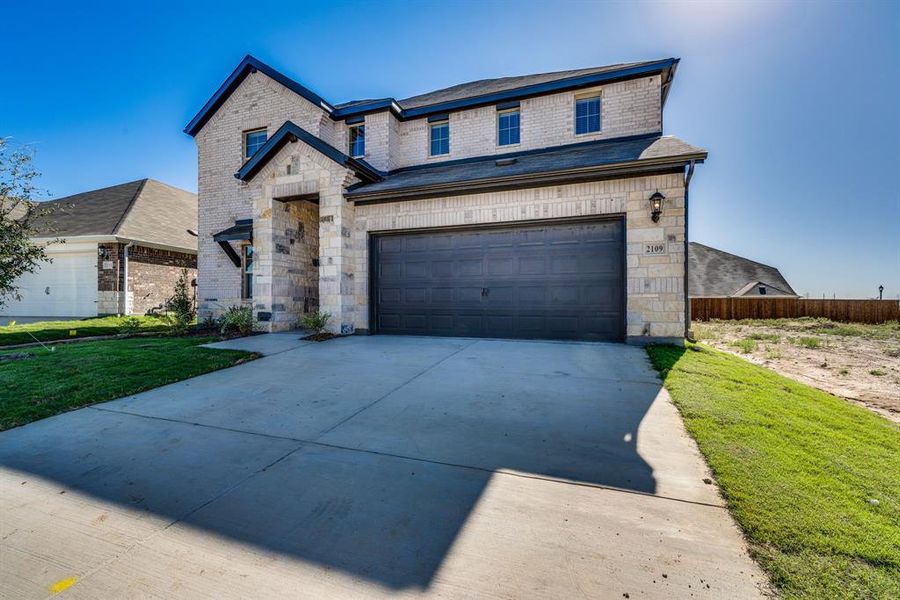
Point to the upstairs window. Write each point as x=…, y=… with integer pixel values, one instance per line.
x=253, y=141
x=762, y=290
x=440, y=138
x=508, y=127
x=357, y=140
x=587, y=115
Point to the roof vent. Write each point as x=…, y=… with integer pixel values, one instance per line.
x=505, y=162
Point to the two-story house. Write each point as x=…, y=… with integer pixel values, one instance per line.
x=541, y=206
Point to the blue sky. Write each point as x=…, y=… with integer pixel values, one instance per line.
x=797, y=103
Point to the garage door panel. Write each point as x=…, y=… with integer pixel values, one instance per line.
x=66, y=287
x=538, y=281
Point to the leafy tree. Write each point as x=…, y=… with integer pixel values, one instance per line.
x=19, y=214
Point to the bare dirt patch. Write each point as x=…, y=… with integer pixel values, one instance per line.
x=854, y=361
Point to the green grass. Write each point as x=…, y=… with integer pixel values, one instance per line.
x=798, y=468
x=765, y=337
x=809, y=342
x=746, y=345
x=46, y=331
x=83, y=373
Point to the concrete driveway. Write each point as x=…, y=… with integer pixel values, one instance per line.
x=374, y=466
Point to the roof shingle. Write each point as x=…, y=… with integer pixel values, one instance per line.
x=714, y=273
x=534, y=162
x=145, y=210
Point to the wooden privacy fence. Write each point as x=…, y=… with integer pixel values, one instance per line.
x=851, y=311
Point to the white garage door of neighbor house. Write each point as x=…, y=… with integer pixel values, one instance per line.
x=67, y=287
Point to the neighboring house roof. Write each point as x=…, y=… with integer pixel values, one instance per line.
x=291, y=132
x=587, y=160
x=714, y=273
x=145, y=210
x=467, y=95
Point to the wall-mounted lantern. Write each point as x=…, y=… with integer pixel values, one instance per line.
x=656, y=205
x=103, y=253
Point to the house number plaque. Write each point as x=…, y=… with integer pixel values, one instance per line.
x=655, y=248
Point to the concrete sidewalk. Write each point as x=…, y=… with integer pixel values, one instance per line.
x=373, y=467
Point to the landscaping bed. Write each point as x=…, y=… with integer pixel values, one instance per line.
x=82, y=373
x=858, y=362
x=813, y=481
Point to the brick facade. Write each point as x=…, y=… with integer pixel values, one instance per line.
x=152, y=274
x=289, y=234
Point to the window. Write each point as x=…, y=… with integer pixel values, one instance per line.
x=587, y=115
x=357, y=140
x=253, y=141
x=762, y=290
x=508, y=127
x=440, y=138
x=247, y=271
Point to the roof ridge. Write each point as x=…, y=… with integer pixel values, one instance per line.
x=127, y=211
x=486, y=79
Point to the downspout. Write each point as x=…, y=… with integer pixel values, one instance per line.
x=687, y=298
x=125, y=259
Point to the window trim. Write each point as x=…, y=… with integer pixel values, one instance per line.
x=431, y=128
x=588, y=95
x=245, y=146
x=506, y=111
x=245, y=293
x=350, y=128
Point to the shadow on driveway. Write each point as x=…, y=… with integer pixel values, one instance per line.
x=366, y=455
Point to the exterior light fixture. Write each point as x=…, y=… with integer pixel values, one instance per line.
x=656, y=204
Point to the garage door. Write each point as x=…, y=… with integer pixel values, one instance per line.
x=67, y=287
x=551, y=281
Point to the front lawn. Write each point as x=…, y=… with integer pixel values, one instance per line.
x=83, y=373
x=813, y=480
x=46, y=331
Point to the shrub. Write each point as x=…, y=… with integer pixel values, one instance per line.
x=746, y=345
x=809, y=342
x=130, y=325
x=315, y=322
x=181, y=306
x=877, y=372
x=237, y=319
x=207, y=324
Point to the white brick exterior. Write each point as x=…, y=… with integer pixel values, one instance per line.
x=289, y=236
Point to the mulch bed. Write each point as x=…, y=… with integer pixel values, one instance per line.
x=321, y=337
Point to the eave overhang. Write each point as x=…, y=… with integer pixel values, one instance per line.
x=290, y=132
x=635, y=168
x=666, y=68
x=247, y=66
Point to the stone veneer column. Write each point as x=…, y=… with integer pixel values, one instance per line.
x=337, y=285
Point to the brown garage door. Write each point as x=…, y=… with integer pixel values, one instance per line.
x=550, y=281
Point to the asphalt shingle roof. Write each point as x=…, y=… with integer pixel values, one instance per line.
x=502, y=84
x=145, y=210
x=532, y=162
x=714, y=273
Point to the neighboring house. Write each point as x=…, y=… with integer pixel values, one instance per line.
x=123, y=249
x=717, y=274
x=512, y=207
